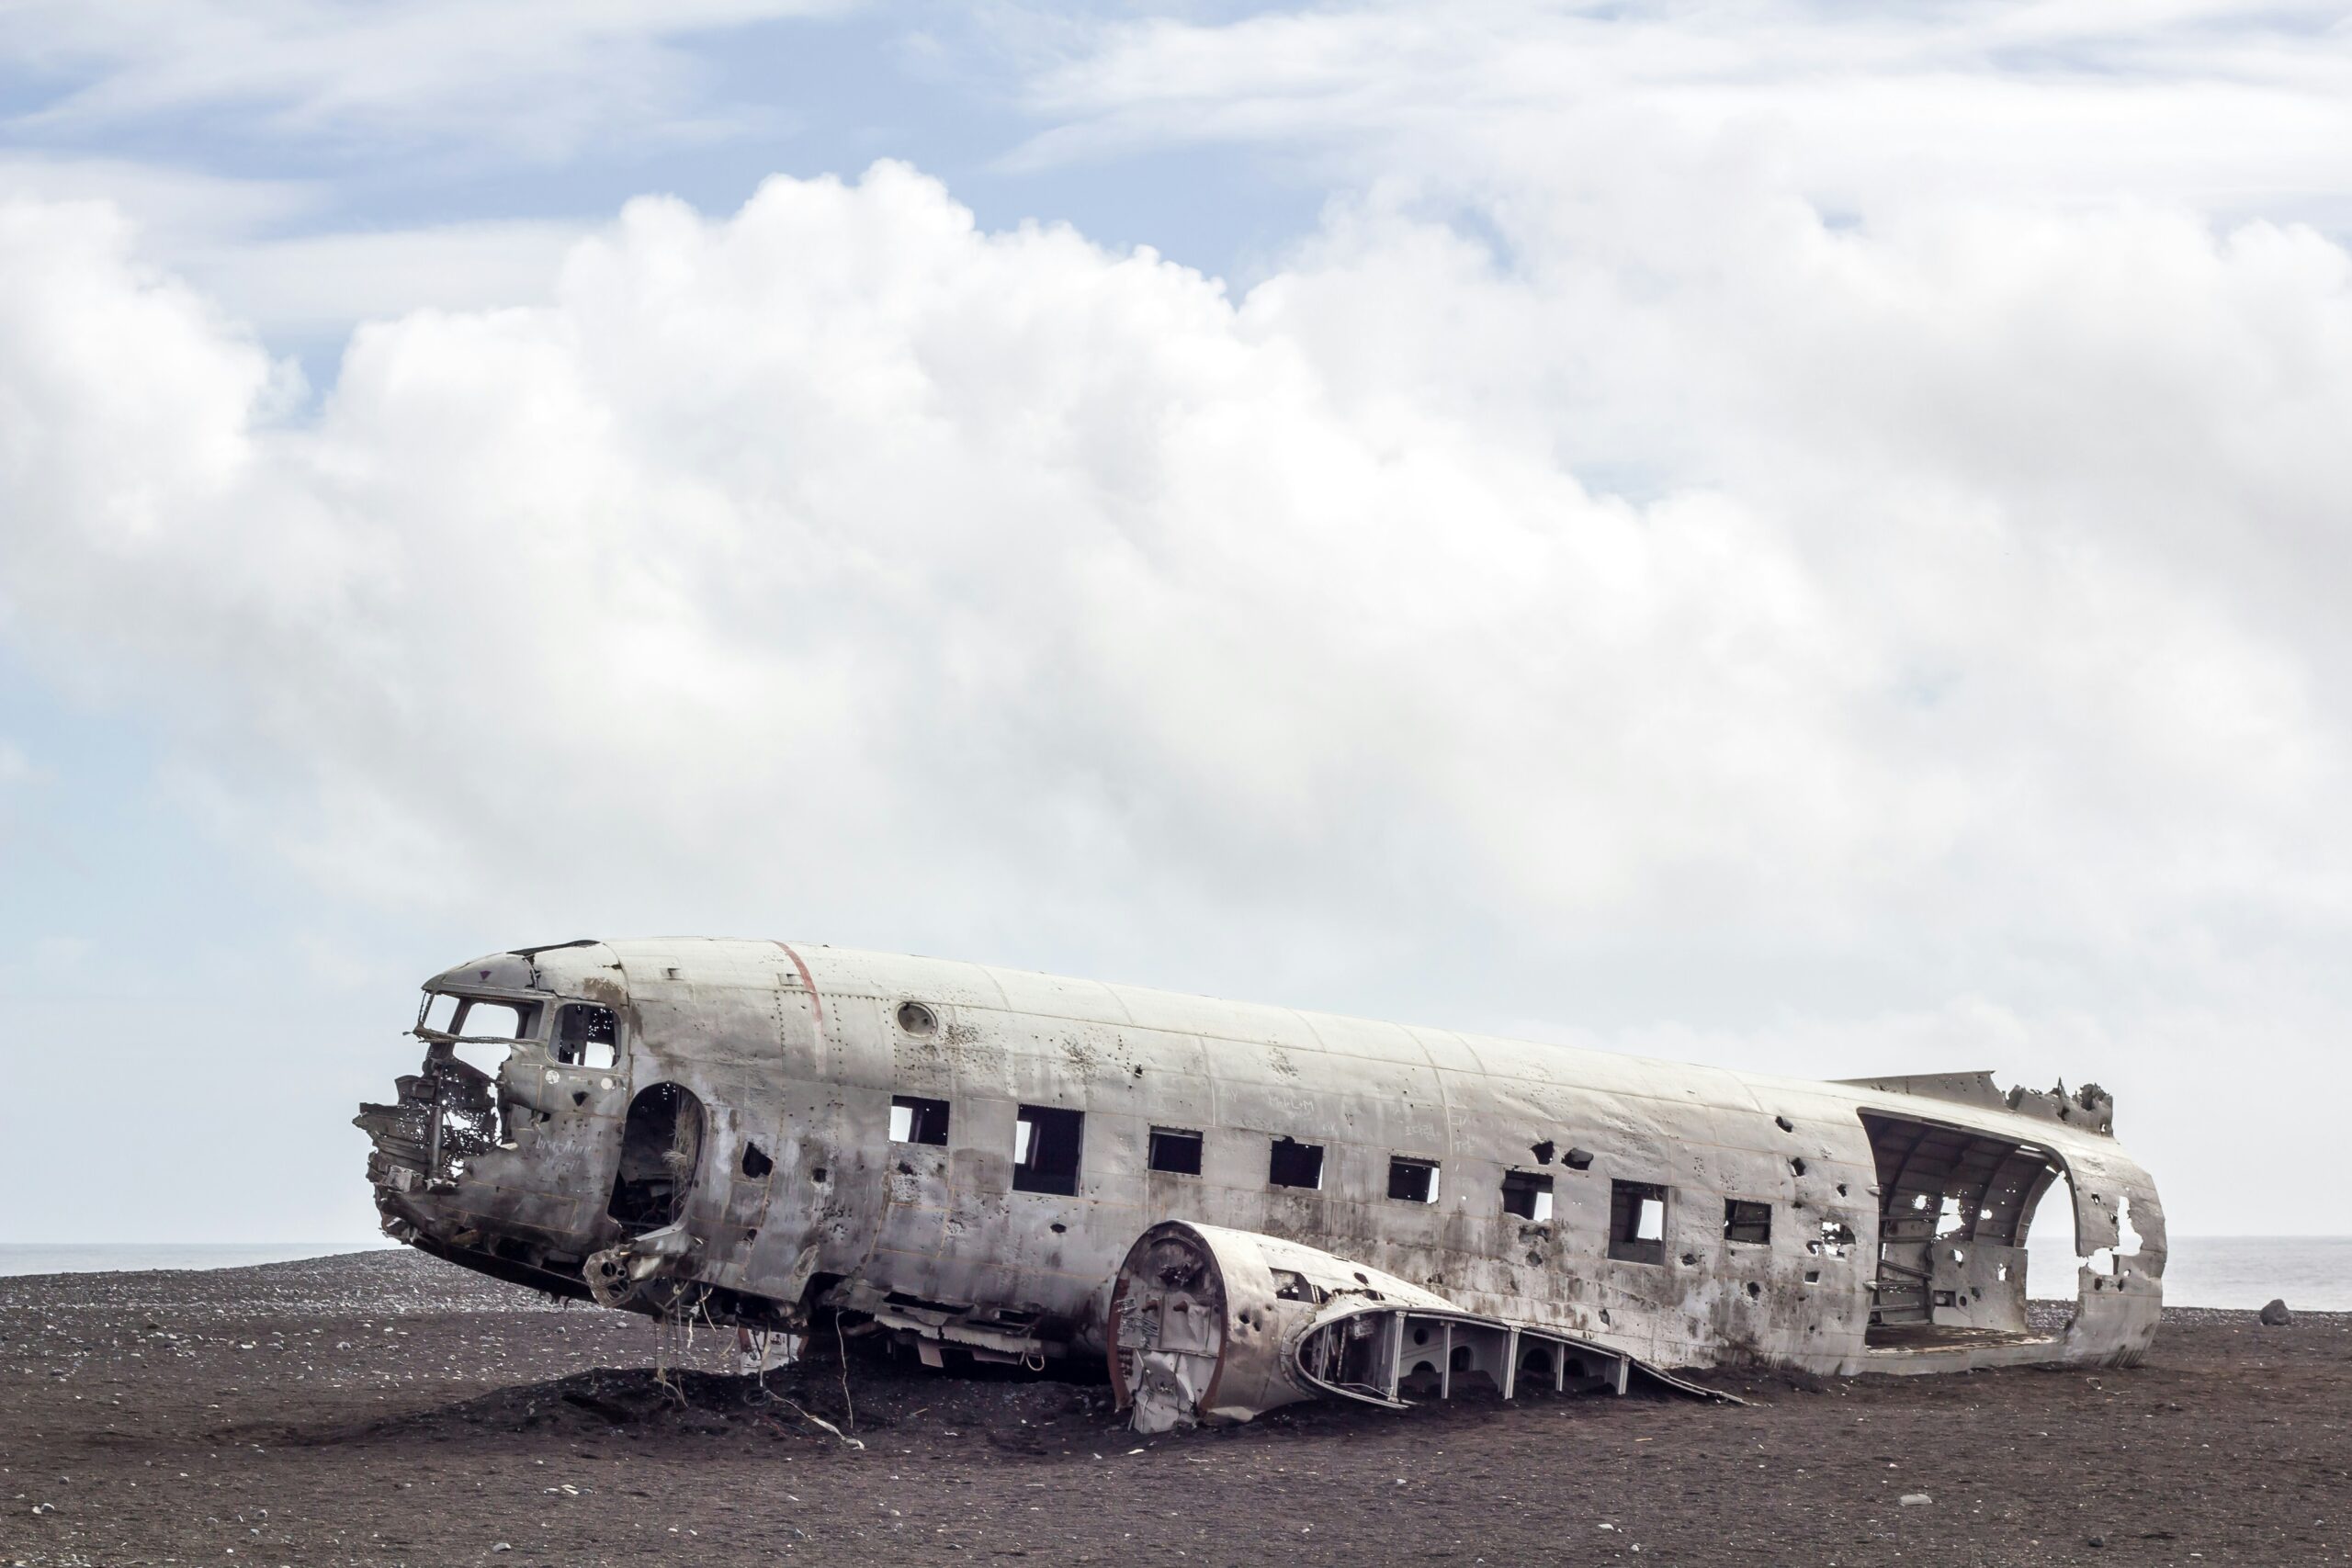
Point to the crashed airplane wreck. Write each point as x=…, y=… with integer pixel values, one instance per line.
x=1238, y=1206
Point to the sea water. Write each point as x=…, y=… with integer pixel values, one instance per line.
x=2311, y=1272
x=110, y=1257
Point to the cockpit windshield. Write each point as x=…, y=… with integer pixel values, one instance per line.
x=483, y=1030
x=469, y=1018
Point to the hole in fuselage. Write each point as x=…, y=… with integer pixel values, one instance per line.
x=661, y=1146
x=1955, y=1206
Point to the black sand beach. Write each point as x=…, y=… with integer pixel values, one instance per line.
x=385, y=1408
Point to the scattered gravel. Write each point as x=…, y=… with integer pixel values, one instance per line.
x=384, y=1408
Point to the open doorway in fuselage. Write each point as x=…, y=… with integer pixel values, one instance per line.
x=1954, y=1208
x=661, y=1151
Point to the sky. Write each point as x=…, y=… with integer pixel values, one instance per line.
x=1794, y=536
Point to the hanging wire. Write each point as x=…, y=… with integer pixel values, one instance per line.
x=841, y=1350
x=759, y=1393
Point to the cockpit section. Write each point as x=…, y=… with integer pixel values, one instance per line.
x=496, y=1151
x=450, y=1112
x=467, y=1041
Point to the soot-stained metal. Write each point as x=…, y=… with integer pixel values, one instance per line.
x=994, y=1165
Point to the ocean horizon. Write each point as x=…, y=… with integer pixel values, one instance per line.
x=133, y=1257
x=2311, y=1273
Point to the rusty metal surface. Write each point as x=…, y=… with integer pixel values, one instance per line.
x=1904, y=1199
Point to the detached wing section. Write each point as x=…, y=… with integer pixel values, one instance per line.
x=1220, y=1325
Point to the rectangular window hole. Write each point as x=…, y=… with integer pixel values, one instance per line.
x=586, y=1034
x=1637, y=1222
x=1176, y=1151
x=1294, y=1164
x=1045, y=1147
x=1527, y=1194
x=1412, y=1180
x=915, y=1121
x=1748, y=1223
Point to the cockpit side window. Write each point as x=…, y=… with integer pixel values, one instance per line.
x=586, y=1035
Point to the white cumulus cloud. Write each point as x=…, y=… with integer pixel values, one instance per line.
x=1829, y=616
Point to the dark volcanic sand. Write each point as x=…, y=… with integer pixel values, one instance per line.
x=384, y=1408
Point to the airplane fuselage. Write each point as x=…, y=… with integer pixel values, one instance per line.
x=964, y=1155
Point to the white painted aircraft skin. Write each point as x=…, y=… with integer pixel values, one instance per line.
x=798, y=1200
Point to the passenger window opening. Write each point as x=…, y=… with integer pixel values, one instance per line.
x=1412, y=1180
x=586, y=1035
x=1046, y=1148
x=1637, y=1222
x=1294, y=1164
x=1748, y=1224
x=918, y=1120
x=1175, y=1150
x=1527, y=1194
